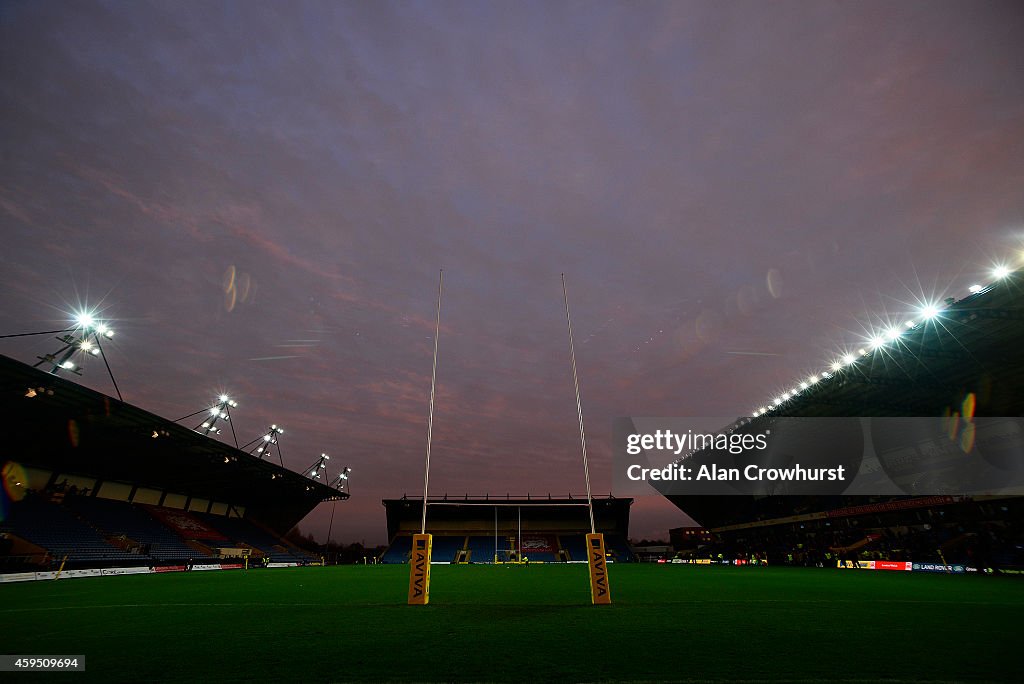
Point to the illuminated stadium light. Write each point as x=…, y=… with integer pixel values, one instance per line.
x=266, y=443
x=84, y=319
x=223, y=398
x=85, y=345
x=928, y=311
x=67, y=365
x=215, y=411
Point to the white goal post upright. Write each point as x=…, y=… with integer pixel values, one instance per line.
x=419, y=563
x=597, y=561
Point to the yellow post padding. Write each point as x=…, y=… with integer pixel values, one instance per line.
x=600, y=592
x=419, y=570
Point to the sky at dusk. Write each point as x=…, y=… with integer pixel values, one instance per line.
x=259, y=196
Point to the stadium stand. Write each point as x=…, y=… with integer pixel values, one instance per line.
x=966, y=359
x=79, y=489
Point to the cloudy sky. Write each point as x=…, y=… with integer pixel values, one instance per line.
x=260, y=195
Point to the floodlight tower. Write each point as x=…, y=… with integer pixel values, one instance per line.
x=222, y=411
x=219, y=411
x=315, y=471
x=341, y=484
x=85, y=338
x=266, y=442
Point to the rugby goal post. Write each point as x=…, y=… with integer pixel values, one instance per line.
x=419, y=561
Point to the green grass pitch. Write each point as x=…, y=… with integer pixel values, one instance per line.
x=523, y=624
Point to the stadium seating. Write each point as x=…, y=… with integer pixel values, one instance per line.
x=248, y=533
x=399, y=550
x=117, y=518
x=481, y=549
x=55, y=528
x=443, y=548
x=576, y=545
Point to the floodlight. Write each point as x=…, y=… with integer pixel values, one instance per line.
x=836, y=366
x=974, y=288
x=85, y=345
x=849, y=359
x=877, y=341
x=67, y=365
x=84, y=319
x=909, y=324
x=763, y=409
x=779, y=400
x=813, y=379
x=929, y=311
x=102, y=329
x=1000, y=272
x=804, y=385
x=215, y=411
x=893, y=334
x=266, y=438
x=108, y=333
x=223, y=398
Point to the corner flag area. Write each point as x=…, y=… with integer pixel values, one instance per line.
x=525, y=623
